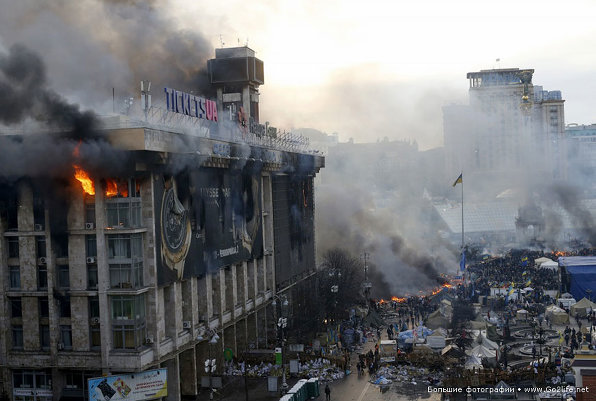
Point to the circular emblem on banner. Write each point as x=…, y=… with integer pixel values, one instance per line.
x=175, y=230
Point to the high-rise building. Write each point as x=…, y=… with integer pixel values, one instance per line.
x=510, y=128
x=162, y=261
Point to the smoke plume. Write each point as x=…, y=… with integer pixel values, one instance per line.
x=92, y=46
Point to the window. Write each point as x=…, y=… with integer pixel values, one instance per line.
x=63, y=276
x=17, y=336
x=44, y=309
x=126, y=275
x=95, y=335
x=31, y=379
x=15, y=307
x=66, y=336
x=60, y=245
x=90, y=212
x=128, y=321
x=44, y=336
x=125, y=253
x=64, y=307
x=91, y=245
x=40, y=244
x=42, y=277
x=15, y=276
x=92, y=276
x=13, y=247
x=123, y=212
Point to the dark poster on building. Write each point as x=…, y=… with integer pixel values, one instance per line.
x=207, y=218
x=293, y=211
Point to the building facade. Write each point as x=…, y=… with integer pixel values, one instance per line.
x=510, y=126
x=192, y=236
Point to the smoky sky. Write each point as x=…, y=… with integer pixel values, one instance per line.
x=28, y=102
x=364, y=204
x=92, y=46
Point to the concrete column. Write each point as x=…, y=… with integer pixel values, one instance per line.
x=260, y=276
x=229, y=338
x=241, y=284
x=103, y=278
x=77, y=262
x=241, y=343
x=188, y=372
x=204, y=298
x=252, y=330
x=230, y=287
x=251, y=279
x=28, y=263
x=246, y=101
x=30, y=323
x=216, y=297
x=173, y=378
x=25, y=210
x=169, y=303
x=80, y=323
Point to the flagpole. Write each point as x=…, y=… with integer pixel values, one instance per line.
x=462, y=213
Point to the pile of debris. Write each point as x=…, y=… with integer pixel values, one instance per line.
x=406, y=375
x=320, y=368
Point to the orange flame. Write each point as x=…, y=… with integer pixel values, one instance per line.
x=85, y=180
x=398, y=299
x=559, y=253
x=447, y=285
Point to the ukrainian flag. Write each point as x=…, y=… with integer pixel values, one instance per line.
x=459, y=180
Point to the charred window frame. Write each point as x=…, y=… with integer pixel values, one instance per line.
x=14, y=277
x=16, y=309
x=63, y=276
x=44, y=307
x=9, y=209
x=42, y=277
x=64, y=304
x=40, y=245
x=60, y=245
x=128, y=321
x=13, y=247
x=90, y=209
x=39, y=215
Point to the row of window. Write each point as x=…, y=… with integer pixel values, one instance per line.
x=127, y=318
x=39, y=383
x=125, y=258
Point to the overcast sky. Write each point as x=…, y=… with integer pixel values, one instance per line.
x=364, y=69
x=368, y=69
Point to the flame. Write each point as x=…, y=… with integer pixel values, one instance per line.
x=84, y=179
x=398, y=299
x=447, y=285
x=382, y=301
x=560, y=253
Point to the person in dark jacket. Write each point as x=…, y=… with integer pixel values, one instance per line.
x=327, y=392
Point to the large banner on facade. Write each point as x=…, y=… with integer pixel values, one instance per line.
x=146, y=385
x=208, y=218
x=293, y=208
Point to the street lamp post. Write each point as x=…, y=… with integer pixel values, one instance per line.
x=281, y=324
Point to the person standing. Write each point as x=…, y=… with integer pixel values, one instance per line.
x=327, y=392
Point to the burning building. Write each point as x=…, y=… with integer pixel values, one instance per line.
x=135, y=265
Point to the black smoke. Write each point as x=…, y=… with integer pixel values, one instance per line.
x=47, y=128
x=92, y=46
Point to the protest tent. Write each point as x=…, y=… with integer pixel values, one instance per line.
x=557, y=315
x=583, y=307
